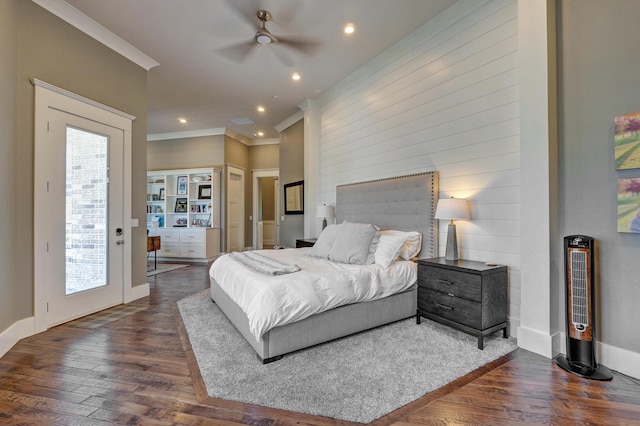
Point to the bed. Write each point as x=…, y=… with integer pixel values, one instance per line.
x=405, y=203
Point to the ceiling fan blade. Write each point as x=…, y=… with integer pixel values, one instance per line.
x=238, y=52
x=282, y=55
x=245, y=10
x=306, y=46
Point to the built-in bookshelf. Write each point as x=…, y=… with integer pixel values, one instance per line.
x=186, y=199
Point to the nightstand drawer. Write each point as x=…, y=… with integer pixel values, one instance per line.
x=460, y=284
x=451, y=307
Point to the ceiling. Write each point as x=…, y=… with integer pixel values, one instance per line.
x=204, y=78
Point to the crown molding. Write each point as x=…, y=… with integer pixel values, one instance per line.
x=290, y=121
x=211, y=132
x=186, y=134
x=74, y=17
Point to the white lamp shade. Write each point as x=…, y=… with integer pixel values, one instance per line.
x=452, y=208
x=324, y=211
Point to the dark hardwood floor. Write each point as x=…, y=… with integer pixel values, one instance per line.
x=140, y=370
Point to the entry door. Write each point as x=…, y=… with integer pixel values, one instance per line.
x=84, y=202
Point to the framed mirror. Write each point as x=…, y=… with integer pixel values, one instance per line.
x=294, y=198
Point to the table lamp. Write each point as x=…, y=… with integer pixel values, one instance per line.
x=324, y=211
x=452, y=208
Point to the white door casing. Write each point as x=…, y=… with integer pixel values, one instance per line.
x=56, y=109
x=235, y=209
x=257, y=174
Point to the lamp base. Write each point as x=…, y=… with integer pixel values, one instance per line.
x=452, y=243
x=324, y=223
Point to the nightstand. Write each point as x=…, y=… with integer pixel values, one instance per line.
x=466, y=295
x=306, y=242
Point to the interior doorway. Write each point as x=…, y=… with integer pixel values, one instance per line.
x=266, y=196
x=235, y=209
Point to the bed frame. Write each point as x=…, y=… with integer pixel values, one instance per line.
x=405, y=203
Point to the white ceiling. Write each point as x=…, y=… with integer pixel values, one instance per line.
x=198, y=81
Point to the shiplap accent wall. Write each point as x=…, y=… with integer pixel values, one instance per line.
x=445, y=98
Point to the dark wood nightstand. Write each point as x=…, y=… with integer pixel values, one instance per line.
x=306, y=242
x=463, y=294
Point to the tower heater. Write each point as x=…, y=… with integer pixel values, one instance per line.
x=580, y=310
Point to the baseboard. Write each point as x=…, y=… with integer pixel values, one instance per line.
x=12, y=335
x=137, y=292
x=535, y=341
x=613, y=357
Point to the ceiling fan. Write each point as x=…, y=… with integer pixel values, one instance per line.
x=264, y=37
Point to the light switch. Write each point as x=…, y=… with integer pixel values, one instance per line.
x=135, y=223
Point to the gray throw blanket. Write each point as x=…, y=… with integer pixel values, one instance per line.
x=263, y=264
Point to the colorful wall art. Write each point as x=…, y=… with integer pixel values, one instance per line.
x=629, y=205
x=627, y=141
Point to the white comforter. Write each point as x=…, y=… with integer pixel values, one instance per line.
x=271, y=301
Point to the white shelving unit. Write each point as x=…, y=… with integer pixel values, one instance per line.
x=183, y=208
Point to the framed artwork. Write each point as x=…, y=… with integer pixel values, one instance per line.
x=627, y=141
x=204, y=192
x=182, y=185
x=161, y=195
x=181, y=205
x=629, y=205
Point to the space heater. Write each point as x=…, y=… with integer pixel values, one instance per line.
x=580, y=310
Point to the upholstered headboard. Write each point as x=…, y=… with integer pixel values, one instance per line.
x=406, y=203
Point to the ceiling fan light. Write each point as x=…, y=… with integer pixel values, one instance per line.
x=264, y=37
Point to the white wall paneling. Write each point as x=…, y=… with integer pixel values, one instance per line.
x=445, y=98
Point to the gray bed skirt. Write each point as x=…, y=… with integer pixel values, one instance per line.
x=320, y=328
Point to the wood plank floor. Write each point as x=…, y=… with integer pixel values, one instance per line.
x=140, y=370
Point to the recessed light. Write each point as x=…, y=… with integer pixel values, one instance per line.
x=259, y=134
x=349, y=28
x=260, y=108
x=295, y=76
x=182, y=120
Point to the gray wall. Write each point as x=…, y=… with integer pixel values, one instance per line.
x=15, y=283
x=292, y=170
x=36, y=44
x=599, y=69
x=186, y=153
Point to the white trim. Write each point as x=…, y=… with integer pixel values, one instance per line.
x=82, y=99
x=618, y=359
x=268, y=141
x=186, y=134
x=48, y=96
x=240, y=171
x=137, y=292
x=211, y=132
x=291, y=120
x=12, y=335
x=73, y=16
x=259, y=174
x=535, y=341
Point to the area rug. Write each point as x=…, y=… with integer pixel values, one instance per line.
x=166, y=267
x=357, y=378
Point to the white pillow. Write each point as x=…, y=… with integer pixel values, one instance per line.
x=355, y=244
x=388, y=249
x=323, y=245
x=412, y=244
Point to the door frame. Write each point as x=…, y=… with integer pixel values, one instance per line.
x=48, y=96
x=230, y=169
x=257, y=174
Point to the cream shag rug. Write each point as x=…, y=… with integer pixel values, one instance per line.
x=357, y=378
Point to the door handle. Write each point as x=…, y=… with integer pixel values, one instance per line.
x=119, y=242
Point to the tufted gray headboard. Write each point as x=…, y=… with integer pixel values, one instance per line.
x=406, y=203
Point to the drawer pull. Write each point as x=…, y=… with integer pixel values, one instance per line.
x=440, y=305
x=451, y=294
x=444, y=281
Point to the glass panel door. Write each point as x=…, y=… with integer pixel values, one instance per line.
x=86, y=248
